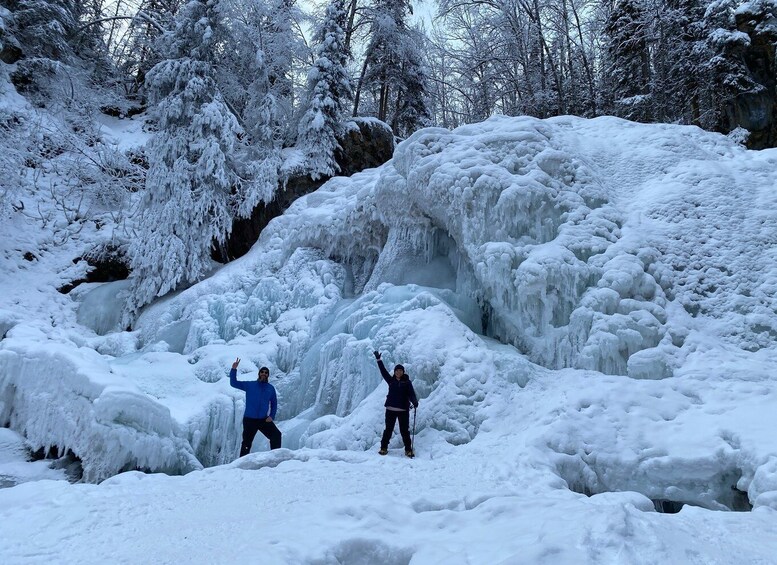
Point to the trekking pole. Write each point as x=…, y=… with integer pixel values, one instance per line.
x=412, y=442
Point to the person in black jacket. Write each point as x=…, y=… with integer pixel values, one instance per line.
x=400, y=396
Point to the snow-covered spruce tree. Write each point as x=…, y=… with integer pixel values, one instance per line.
x=281, y=46
x=683, y=81
x=382, y=58
x=272, y=27
x=39, y=30
x=329, y=91
x=42, y=27
x=392, y=66
x=188, y=202
x=137, y=51
x=261, y=154
x=724, y=66
x=627, y=54
x=57, y=59
x=411, y=107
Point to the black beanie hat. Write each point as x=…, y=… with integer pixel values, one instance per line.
x=399, y=367
x=264, y=369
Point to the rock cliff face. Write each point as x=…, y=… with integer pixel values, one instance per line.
x=366, y=144
x=107, y=263
x=757, y=111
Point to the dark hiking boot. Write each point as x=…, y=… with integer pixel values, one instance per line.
x=383, y=451
x=409, y=453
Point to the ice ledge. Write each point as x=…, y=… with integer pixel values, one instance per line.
x=59, y=396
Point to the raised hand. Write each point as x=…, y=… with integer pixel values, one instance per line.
x=236, y=363
x=376, y=354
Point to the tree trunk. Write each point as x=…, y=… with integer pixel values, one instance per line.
x=349, y=25
x=357, y=95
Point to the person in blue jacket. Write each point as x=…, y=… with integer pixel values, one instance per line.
x=401, y=396
x=261, y=406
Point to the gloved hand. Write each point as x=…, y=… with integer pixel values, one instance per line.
x=415, y=406
x=376, y=354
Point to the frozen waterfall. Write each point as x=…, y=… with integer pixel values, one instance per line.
x=480, y=258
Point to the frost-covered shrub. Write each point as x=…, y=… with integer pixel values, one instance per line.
x=114, y=176
x=739, y=135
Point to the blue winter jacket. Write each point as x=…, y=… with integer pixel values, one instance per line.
x=401, y=393
x=261, y=400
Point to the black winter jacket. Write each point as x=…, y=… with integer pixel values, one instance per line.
x=401, y=393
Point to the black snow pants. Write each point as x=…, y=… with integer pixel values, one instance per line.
x=404, y=428
x=268, y=429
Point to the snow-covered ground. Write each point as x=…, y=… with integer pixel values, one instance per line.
x=587, y=309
